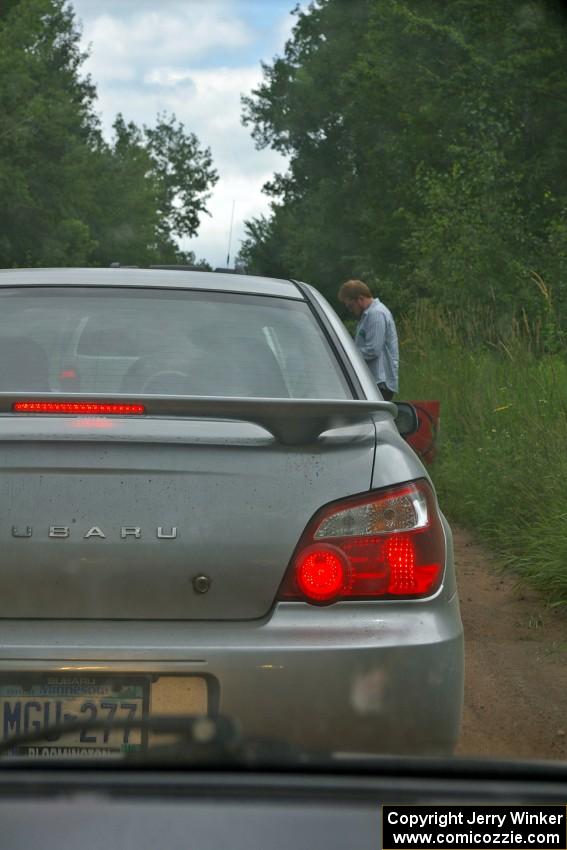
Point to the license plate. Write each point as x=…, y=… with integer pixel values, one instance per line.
x=29, y=706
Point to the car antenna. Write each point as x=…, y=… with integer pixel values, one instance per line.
x=230, y=236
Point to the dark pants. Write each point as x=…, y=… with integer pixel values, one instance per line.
x=387, y=393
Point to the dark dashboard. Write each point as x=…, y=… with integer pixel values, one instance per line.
x=60, y=807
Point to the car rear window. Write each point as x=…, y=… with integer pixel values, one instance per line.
x=132, y=341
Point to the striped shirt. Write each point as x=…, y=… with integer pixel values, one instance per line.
x=377, y=341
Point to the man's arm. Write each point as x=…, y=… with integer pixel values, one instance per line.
x=371, y=345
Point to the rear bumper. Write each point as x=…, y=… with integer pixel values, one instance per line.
x=352, y=677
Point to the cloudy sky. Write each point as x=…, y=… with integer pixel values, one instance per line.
x=194, y=58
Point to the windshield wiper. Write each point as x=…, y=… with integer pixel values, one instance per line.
x=209, y=740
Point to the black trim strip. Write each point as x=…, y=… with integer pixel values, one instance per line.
x=348, y=370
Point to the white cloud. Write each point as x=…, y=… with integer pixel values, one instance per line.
x=206, y=101
x=125, y=47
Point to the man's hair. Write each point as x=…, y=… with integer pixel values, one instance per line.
x=354, y=289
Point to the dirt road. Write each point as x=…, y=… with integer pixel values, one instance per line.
x=516, y=663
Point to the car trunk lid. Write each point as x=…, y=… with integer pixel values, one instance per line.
x=168, y=516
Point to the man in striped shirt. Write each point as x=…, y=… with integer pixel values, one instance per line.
x=376, y=336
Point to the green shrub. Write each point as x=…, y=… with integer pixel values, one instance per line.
x=502, y=467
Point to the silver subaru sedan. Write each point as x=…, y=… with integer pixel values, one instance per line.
x=207, y=508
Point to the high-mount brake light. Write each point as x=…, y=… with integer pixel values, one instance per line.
x=78, y=407
x=388, y=544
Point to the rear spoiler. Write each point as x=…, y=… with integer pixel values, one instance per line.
x=291, y=421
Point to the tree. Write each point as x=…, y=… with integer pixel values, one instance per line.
x=425, y=148
x=183, y=173
x=299, y=110
x=67, y=196
x=47, y=128
x=152, y=186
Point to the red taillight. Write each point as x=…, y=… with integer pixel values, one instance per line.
x=387, y=545
x=81, y=407
x=321, y=572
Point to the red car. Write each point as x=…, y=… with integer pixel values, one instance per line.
x=424, y=440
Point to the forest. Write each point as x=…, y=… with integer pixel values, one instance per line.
x=427, y=144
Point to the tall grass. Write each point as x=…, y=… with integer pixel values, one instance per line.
x=502, y=467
